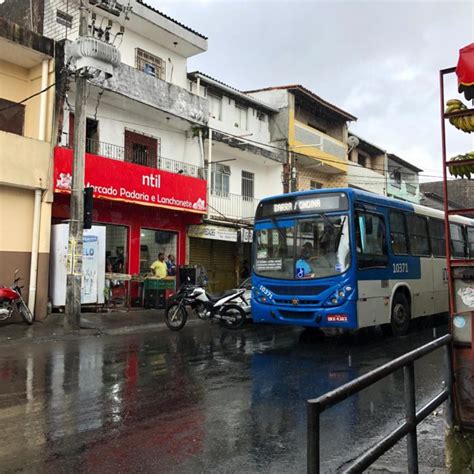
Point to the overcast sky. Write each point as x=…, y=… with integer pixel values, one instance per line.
x=378, y=60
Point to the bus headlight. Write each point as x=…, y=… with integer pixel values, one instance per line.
x=339, y=296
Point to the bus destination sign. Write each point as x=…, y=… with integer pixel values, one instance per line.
x=326, y=202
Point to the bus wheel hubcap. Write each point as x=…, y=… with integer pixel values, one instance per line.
x=399, y=314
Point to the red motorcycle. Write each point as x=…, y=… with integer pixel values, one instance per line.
x=11, y=301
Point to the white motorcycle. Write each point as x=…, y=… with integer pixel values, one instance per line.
x=228, y=307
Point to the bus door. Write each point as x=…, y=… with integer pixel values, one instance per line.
x=372, y=268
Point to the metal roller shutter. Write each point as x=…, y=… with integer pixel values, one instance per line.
x=223, y=265
x=218, y=259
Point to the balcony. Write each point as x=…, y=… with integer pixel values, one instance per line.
x=116, y=152
x=224, y=205
x=319, y=146
x=25, y=161
x=404, y=190
x=147, y=89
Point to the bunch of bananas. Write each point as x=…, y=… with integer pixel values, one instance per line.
x=462, y=171
x=466, y=124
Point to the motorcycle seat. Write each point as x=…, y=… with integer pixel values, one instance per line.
x=217, y=297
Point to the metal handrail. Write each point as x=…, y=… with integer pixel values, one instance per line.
x=412, y=417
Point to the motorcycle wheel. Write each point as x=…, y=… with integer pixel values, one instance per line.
x=237, y=313
x=25, y=312
x=175, y=317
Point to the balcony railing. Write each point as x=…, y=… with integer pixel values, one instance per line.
x=312, y=137
x=232, y=206
x=411, y=188
x=139, y=157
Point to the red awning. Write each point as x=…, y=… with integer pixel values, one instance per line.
x=465, y=71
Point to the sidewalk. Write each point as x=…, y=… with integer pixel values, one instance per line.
x=92, y=324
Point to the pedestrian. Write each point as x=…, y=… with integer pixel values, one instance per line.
x=159, y=266
x=245, y=272
x=171, y=265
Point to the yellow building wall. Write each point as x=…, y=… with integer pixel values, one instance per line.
x=16, y=224
x=18, y=83
x=300, y=148
x=306, y=175
x=26, y=165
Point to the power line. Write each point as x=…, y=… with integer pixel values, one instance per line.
x=27, y=98
x=348, y=162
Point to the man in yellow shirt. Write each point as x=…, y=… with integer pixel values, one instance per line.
x=159, y=266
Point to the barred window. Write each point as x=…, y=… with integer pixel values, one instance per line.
x=150, y=64
x=248, y=185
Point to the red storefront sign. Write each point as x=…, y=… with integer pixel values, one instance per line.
x=127, y=182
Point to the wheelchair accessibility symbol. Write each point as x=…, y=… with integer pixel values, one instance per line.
x=300, y=272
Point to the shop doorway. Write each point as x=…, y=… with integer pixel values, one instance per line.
x=153, y=242
x=116, y=248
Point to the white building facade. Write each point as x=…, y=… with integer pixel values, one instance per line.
x=243, y=166
x=144, y=156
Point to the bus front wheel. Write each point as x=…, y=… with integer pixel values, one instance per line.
x=400, y=319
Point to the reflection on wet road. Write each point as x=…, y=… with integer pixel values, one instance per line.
x=203, y=400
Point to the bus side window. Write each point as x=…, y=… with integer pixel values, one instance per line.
x=418, y=234
x=371, y=242
x=438, y=244
x=458, y=243
x=470, y=241
x=398, y=233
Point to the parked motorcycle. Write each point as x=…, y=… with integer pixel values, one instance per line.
x=11, y=301
x=226, y=307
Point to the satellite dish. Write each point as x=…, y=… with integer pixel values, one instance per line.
x=352, y=141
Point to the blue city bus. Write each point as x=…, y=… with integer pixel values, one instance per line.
x=347, y=259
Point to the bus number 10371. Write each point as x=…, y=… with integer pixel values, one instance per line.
x=400, y=268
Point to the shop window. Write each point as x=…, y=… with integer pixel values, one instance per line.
x=116, y=245
x=470, y=241
x=154, y=242
x=12, y=117
x=248, y=185
x=141, y=149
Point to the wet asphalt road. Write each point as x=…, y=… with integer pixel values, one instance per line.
x=202, y=400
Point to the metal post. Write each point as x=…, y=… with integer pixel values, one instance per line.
x=448, y=358
x=312, y=448
x=72, y=318
x=410, y=417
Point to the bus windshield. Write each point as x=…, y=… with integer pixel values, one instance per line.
x=314, y=247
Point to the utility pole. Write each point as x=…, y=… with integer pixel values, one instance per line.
x=93, y=57
x=72, y=318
